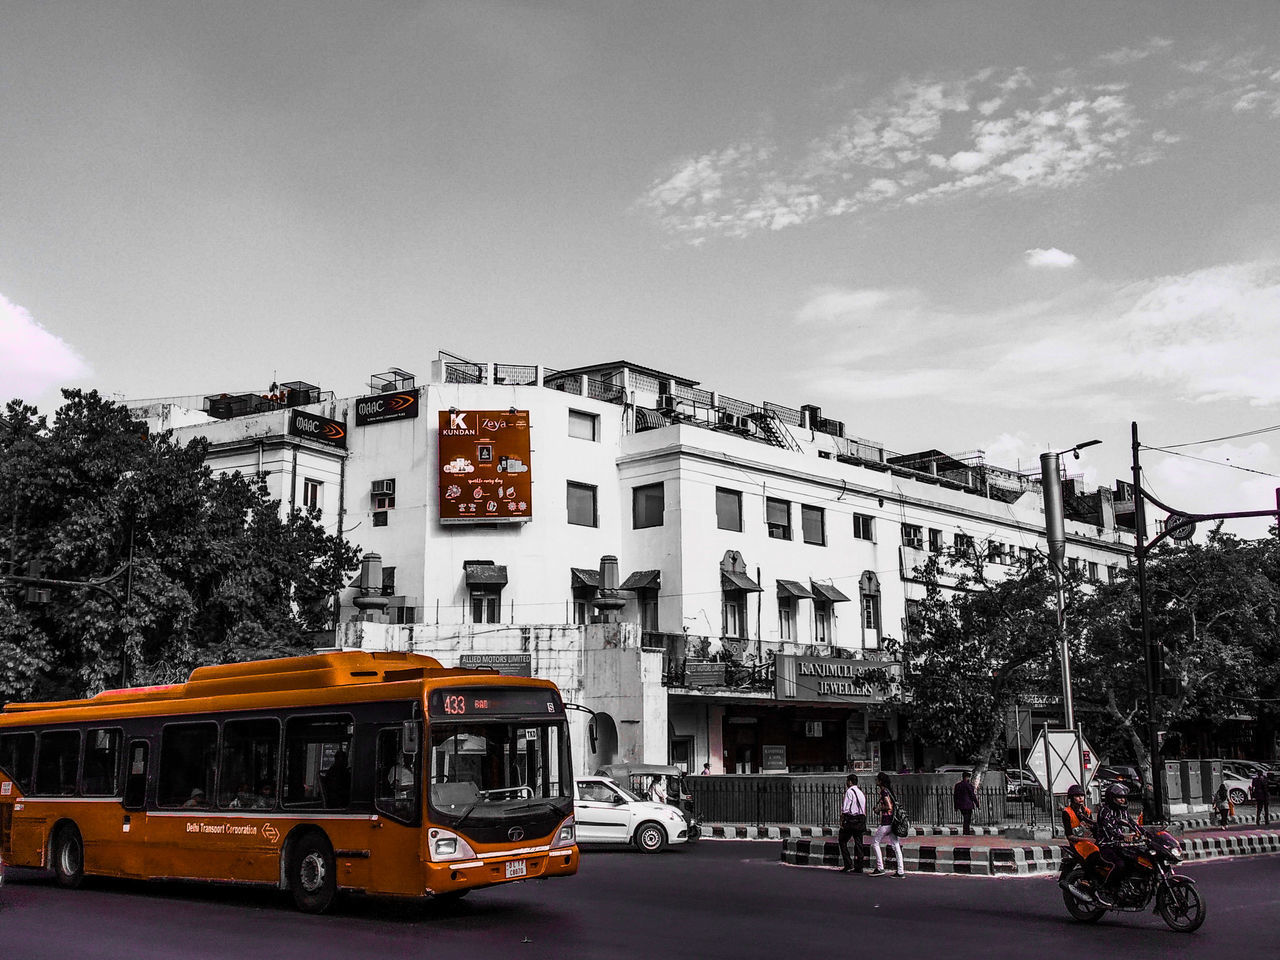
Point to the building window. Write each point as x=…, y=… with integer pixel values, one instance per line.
x=582, y=506
x=404, y=615
x=1093, y=572
x=380, y=518
x=584, y=426
x=733, y=613
x=1073, y=564
x=728, y=509
x=1027, y=555
x=581, y=612
x=647, y=504
x=313, y=494
x=912, y=619
x=869, y=588
x=388, y=581
x=863, y=527
x=821, y=621
x=995, y=551
x=786, y=618
x=871, y=614
x=935, y=540
x=486, y=606
x=1113, y=572
x=963, y=545
x=647, y=599
x=813, y=525
x=777, y=516
x=913, y=536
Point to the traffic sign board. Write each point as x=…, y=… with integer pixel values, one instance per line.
x=1180, y=527
x=1061, y=760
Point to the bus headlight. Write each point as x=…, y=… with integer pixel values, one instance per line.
x=565, y=835
x=446, y=845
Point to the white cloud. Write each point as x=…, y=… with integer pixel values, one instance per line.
x=1127, y=55
x=32, y=360
x=1052, y=257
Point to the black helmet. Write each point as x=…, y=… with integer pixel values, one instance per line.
x=1117, y=795
x=1075, y=790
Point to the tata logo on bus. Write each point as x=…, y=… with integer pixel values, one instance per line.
x=332, y=433
x=484, y=466
x=387, y=406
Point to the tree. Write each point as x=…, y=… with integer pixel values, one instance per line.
x=1213, y=607
x=977, y=644
x=219, y=572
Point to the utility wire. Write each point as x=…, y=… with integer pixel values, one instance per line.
x=1219, y=463
x=1234, y=436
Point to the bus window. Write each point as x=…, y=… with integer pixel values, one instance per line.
x=57, y=763
x=135, y=784
x=249, y=771
x=17, y=756
x=102, y=762
x=317, y=762
x=187, y=755
x=396, y=789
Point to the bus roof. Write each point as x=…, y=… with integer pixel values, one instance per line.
x=319, y=671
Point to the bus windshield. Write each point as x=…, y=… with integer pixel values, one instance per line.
x=491, y=770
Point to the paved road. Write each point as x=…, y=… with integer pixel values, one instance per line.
x=717, y=899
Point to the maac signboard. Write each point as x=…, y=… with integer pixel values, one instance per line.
x=386, y=406
x=827, y=678
x=332, y=433
x=484, y=466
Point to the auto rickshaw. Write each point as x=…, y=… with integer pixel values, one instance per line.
x=637, y=776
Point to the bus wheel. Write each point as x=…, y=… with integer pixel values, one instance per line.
x=312, y=876
x=650, y=837
x=68, y=856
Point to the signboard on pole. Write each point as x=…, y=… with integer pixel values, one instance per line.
x=1060, y=758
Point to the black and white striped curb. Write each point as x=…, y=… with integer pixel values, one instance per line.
x=740, y=831
x=927, y=858
x=1022, y=860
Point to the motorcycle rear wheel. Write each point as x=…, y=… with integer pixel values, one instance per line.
x=1080, y=909
x=1180, y=905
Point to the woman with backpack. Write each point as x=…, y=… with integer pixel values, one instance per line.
x=884, y=831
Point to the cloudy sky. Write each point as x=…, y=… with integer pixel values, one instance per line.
x=964, y=225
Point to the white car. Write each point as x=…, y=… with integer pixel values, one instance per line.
x=607, y=812
x=1239, y=786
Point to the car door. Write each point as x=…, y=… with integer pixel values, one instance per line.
x=600, y=812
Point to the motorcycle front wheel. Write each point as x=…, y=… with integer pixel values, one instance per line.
x=1180, y=905
x=1079, y=909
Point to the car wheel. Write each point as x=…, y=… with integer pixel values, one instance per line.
x=650, y=837
x=68, y=856
x=1237, y=795
x=312, y=877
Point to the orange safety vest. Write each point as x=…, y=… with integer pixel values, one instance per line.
x=1082, y=845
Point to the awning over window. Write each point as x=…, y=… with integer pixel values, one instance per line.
x=643, y=580
x=790, y=588
x=485, y=573
x=580, y=577
x=824, y=591
x=734, y=580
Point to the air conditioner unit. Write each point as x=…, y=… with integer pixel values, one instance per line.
x=667, y=403
x=742, y=424
x=727, y=419
x=383, y=487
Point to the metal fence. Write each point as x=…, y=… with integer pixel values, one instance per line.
x=815, y=801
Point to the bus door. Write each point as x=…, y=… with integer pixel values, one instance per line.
x=133, y=820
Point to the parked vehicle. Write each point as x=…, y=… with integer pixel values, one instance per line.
x=1239, y=783
x=1110, y=773
x=1152, y=878
x=607, y=812
x=1020, y=784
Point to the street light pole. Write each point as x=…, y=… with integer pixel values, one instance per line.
x=1056, y=535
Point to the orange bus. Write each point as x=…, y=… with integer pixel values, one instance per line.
x=381, y=773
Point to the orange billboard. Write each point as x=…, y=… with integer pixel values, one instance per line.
x=484, y=466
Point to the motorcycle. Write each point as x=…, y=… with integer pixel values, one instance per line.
x=1151, y=877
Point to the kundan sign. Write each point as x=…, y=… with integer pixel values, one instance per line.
x=484, y=466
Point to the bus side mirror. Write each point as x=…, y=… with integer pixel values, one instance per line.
x=409, y=738
x=591, y=735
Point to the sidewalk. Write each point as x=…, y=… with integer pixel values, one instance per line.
x=992, y=851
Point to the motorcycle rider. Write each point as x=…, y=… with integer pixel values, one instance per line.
x=1077, y=824
x=1114, y=831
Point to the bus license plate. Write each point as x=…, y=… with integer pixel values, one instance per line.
x=517, y=868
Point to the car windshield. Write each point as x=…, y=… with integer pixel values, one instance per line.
x=486, y=770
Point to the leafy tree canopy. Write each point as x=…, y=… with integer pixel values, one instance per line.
x=220, y=573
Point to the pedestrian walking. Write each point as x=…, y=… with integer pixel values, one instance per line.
x=966, y=800
x=1261, y=797
x=853, y=824
x=884, y=832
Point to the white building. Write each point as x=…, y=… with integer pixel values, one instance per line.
x=765, y=555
